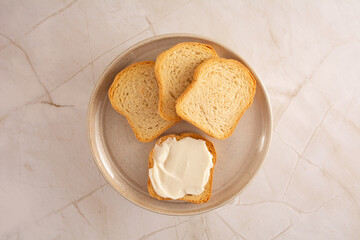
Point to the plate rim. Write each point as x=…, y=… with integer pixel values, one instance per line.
x=94, y=150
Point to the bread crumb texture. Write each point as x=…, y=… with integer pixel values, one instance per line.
x=134, y=94
x=220, y=93
x=174, y=71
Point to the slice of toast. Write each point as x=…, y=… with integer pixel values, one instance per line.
x=220, y=93
x=174, y=70
x=134, y=94
x=206, y=194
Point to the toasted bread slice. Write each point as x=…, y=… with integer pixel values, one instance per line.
x=220, y=93
x=206, y=194
x=174, y=70
x=134, y=94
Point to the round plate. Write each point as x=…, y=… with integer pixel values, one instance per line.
x=123, y=160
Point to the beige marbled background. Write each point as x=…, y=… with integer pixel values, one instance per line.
x=307, y=54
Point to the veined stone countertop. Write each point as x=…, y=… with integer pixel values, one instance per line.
x=307, y=54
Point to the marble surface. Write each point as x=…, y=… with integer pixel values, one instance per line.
x=306, y=52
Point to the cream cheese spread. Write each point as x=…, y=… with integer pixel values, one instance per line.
x=180, y=167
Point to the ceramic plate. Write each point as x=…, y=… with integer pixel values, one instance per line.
x=123, y=160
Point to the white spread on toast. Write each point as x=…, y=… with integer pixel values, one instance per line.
x=180, y=167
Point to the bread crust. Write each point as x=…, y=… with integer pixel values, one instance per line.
x=193, y=84
x=111, y=94
x=206, y=194
x=162, y=57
